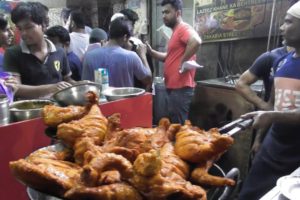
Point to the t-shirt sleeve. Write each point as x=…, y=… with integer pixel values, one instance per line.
x=140, y=71
x=262, y=65
x=185, y=33
x=10, y=62
x=87, y=70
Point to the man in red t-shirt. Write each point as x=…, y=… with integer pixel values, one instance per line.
x=182, y=47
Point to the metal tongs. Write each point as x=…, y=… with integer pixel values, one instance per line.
x=236, y=126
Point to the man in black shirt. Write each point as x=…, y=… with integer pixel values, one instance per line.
x=42, y=67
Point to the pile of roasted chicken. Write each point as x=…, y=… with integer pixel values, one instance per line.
x=100, y=160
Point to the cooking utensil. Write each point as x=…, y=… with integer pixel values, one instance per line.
x=236, y=126
x=75, y=94
x=113, y=94
x=27, y=109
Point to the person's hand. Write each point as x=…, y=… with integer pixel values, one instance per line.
x=265, y=106
x=62, y=85
x=141, y=49
x=149, y=48
x=12, y=83
x=262, y=119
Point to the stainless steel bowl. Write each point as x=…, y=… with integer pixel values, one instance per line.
x=75, y=95
x=113, y=94
x=27, y=109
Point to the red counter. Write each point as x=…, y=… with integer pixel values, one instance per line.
x=20, y=139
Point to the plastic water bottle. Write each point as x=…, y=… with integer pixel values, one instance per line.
x=101, y=77
x=104, y=78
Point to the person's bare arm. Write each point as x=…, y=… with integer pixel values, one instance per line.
x=30, y=92
x=161, y=56
x=263, y=119
x=243, y=87
x=141, y=51
x=192, y=47
x=70, y=80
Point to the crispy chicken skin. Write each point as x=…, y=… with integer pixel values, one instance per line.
x=132, y=142
x=46, y=175
x=92, y=125
x=54, y=115
x=91, y=174
x=198, y=146
x=52, y=154
x=161, y=175
x=117, y=191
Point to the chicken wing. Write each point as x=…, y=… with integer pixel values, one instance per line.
x=54, y=115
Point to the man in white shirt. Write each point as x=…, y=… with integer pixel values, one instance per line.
x=79, y=39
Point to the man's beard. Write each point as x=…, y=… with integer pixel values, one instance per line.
x=171, y=24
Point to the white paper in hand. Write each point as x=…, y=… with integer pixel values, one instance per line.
x=188, y=65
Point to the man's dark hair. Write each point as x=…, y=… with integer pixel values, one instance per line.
x=177, y=4
x=78, y=18
x=65, y=13
x=120, y=27
x=3, y=22
x=34, y=11
x=130, y=14
x=97, y=35
x=60, y=32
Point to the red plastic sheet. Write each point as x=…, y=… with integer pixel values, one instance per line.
x=20, y=139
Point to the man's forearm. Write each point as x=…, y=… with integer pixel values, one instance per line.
x=161, y=56
x=251, y=96
x=286, y=117
x=191, y=49
x=28, y=91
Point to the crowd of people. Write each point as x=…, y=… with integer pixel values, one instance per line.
x=49, y=59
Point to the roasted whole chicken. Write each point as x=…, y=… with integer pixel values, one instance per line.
x=48, y=174
x=97, y=159
x=163, y=175
x=198, y=146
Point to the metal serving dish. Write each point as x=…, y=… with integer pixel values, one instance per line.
x=75, y=95
x=27, y=109
x=113, y=94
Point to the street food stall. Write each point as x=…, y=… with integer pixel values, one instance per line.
x=98, y=152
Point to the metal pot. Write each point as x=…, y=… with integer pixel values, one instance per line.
x=27, y=109
x=113, y=94
x=75, y=95
x=4, y=110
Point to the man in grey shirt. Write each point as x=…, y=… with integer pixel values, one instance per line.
x=122, y=65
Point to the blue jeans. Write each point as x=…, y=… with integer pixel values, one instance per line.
x=179, y=103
